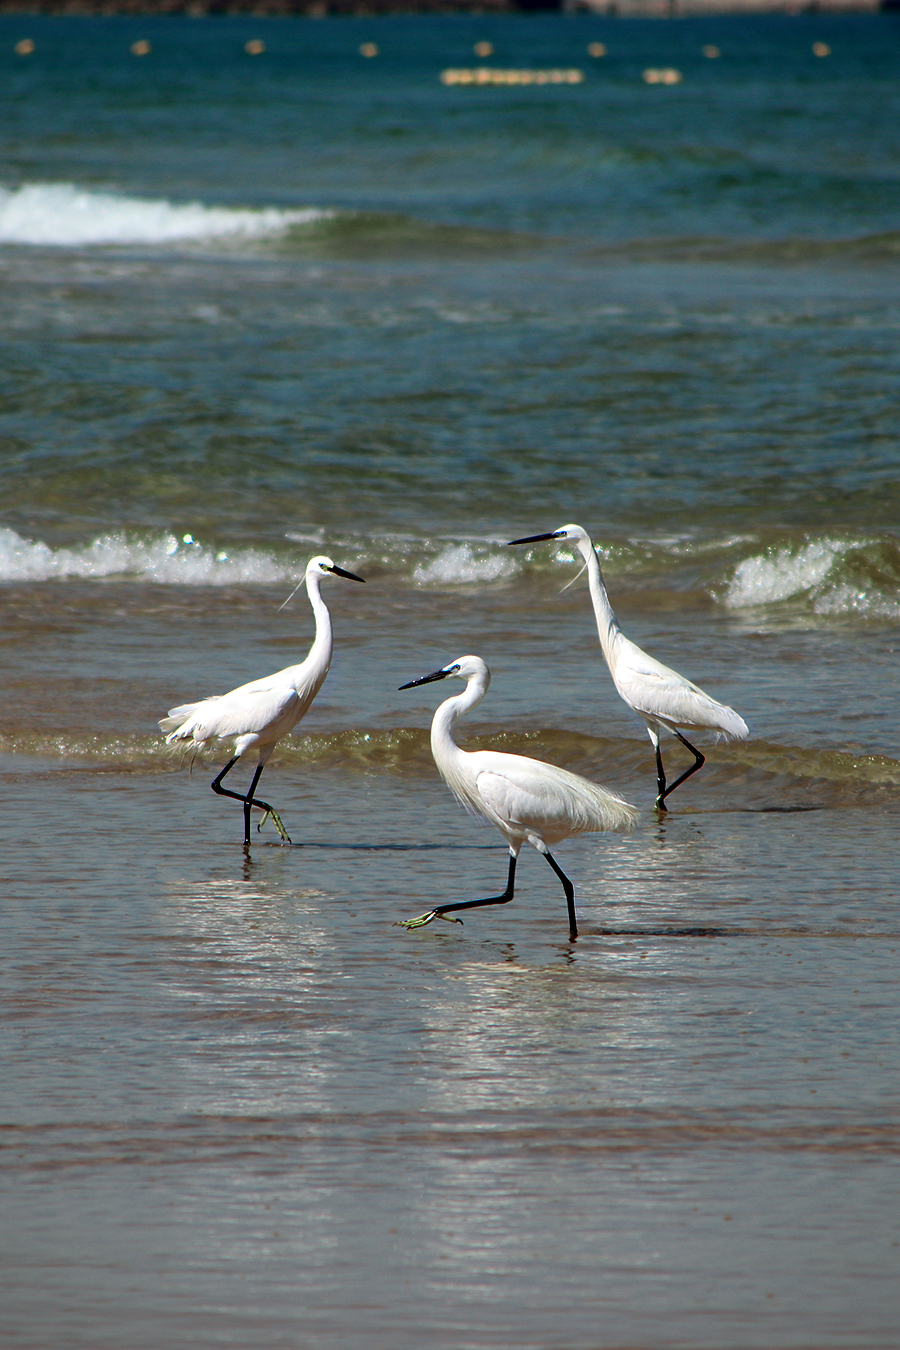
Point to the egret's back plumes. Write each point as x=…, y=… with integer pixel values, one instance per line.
x=560, y=804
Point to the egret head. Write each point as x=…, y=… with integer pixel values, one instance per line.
x=564, y=532
x=317, y=567
x=323, y=566
x=466, y=667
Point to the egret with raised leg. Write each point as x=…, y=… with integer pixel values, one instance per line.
x=661, y=696
x=258, y=714
x=529, y=801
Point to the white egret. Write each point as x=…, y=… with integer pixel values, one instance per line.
x=661, y=696
x=528, y=800
x=258, y=714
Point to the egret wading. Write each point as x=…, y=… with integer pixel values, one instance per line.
x=258, y=714
x=528, y=800
x=661, y=696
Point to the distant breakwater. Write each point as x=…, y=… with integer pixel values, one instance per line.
x=312, y=9
x=320, y=9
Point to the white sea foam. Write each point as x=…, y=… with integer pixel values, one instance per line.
x=817, y=573
x=62, y=214
x=848, y=599
x=783, y=573
x=185, y=562
x=459, y=564
x=165, y=559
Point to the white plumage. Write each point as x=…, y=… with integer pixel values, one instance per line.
x=528, y=800
x=661, y=696
x=258, y=714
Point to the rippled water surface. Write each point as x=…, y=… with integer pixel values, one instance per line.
x=261, y=307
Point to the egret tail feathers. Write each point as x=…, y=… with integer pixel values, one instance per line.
x=179, y=722
x=176, y=718
x=733, y=727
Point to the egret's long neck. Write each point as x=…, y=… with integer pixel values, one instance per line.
x=443, y=746
x=320, y=651
x=607, y=624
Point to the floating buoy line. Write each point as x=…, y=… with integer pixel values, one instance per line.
x=483, y=75
x=666, y=76
x=489, y=75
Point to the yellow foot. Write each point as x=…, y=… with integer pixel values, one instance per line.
x=278, y=823
x=421, y=921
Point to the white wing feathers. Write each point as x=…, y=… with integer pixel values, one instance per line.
x=262, y=709
x=525, y=797
x=660, y=694
x=227, y=716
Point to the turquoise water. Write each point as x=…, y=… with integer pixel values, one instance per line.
x=261, y=307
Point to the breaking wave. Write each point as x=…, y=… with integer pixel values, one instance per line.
x=63, y=215
x=165, y=559
x=824, y=577
x=832, y=576
x=182, y=561
x=460, y=564
x=60, y=214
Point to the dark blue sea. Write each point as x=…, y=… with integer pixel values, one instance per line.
x=260, y=305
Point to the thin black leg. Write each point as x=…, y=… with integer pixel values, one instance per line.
x=570, y=893
x=699, y=761
x=660, y=781
x=442, y=910
x=216, y=783
x=249, y=800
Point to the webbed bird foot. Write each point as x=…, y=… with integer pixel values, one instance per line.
x=277, y=822
x=423, y=919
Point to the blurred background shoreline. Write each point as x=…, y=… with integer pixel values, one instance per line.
x=320, y=9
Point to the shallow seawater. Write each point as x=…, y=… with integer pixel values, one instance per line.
x=258, y=308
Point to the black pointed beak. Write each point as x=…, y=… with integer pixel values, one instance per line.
x=351, y=576
x=538, y=538
x=426, y=679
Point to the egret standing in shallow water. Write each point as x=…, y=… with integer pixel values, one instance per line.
x=258, y=714
x=528, y=800
x=660, y=695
